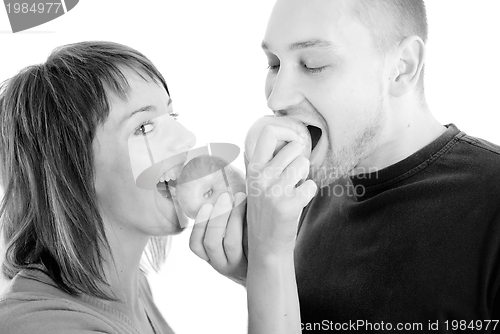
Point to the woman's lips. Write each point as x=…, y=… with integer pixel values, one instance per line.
x=164, y=189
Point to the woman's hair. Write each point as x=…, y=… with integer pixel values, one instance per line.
x=48, y=118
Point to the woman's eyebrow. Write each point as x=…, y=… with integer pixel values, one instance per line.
x=149, y=108
x=142, y=109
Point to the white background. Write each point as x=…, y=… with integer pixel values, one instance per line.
x=209, y=53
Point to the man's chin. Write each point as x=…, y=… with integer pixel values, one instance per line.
x=330, y=173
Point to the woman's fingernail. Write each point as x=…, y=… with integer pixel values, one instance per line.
x=206, y=208
x=239, y=198
x=224, y=199
x=203, y=214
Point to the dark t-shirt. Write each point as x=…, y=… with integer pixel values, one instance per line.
x=415, y=244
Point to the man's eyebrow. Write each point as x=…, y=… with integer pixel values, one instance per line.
x=313, y=43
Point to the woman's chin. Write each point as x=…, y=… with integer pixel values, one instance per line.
x=174, y=221
x=167, y=225
x=177, y=229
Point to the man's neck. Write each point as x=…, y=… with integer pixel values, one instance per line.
x=404, y=138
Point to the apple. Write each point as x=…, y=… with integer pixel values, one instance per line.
x=255, y=130
x=202, y=181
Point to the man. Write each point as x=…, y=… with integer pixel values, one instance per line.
x=403, y=233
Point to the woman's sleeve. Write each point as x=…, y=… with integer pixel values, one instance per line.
x=48, y=317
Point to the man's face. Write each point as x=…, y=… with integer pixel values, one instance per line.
x=325, y=71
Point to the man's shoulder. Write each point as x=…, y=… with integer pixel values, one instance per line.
x=478, y=154
x=472, y=162
x=483, y=147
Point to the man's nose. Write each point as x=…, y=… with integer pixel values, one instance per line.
x=283, y=91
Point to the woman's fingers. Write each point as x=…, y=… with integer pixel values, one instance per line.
x=217, y=235
x=216, y=228
x=198, y=233
x=233, y=238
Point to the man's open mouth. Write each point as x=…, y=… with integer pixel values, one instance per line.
x=315, y=135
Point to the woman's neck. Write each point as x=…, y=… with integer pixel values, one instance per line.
x=122, y=271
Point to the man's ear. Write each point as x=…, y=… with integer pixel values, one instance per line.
x=409, y=61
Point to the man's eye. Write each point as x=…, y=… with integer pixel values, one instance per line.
x=144, y=128
x=314, y=70
x=174, y=115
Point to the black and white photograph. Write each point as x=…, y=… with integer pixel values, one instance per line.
x=272, y=166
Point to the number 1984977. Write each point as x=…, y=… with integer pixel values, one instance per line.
x=40, y=8
x=479, y=325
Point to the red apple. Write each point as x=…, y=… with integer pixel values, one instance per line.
x=255, y=130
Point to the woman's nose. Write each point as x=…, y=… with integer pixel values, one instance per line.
x=183, y=140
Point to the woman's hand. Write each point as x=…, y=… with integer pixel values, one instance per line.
x=217, y=236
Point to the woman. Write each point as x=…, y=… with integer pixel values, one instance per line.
x=74, y=219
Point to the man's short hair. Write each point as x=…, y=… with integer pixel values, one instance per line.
x=391, y=21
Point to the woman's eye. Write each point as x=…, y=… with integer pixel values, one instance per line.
x=208, y=193
x=144, y=128
x=273, y=67
x=174, y=115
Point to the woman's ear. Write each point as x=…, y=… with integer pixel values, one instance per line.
x=408, y=63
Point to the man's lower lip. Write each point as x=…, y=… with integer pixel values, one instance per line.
x=315, y=159
x=315, y=133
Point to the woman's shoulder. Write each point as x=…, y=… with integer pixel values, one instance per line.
x=32, y=303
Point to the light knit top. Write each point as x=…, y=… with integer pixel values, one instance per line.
x=34, y=304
